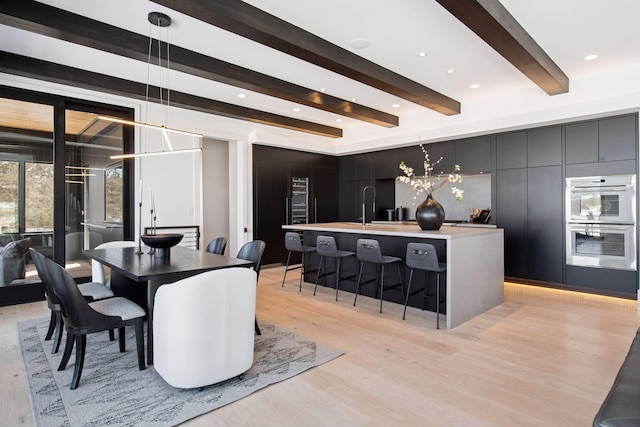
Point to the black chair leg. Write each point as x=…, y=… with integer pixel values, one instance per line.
x=286, y=268
x=301, y=272
x=358, y=284
x=121, y=339
x=438, y=302
x=59, y=324
x=68, y=348
x=381, y=285
x=52, y=326
x=401, y=282
x=258, y=328
x=406, y=301
x=140, y=343
x=337, y=277
x=112, y=336
x=318, y=276
x=81, y=345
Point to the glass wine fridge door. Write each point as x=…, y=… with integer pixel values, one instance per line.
x=299, y=200
x=602, y=245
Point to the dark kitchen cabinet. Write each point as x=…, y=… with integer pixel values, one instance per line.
x=511, y=150
x=363, y=164
x=617, y=138
x=275, y=170
x=270, y=194
x=445, y=152
x=581, y=142
x=544, y=146
x=545, y=249
x=604, y=140
x=347, y=201
x=511, y=204
x=387, y=164
x=474, y=154
x=528, y=186
x=324, y=195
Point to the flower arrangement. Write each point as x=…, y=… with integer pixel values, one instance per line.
x=428, y=183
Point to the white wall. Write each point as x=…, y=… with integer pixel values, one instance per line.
x=215, y=191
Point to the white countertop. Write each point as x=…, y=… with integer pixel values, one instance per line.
x=448, y=232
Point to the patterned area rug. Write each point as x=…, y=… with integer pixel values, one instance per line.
x=114, y=392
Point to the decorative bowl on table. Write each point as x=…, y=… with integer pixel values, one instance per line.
x=162, y=243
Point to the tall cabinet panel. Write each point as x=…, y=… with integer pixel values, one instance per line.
x=271, y=190
x=324, y=203
x=544, y=224
x=511, y=200
x=291, y=187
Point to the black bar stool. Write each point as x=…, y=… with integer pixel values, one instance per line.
x=327, y=248
x=293, y=243
x=368, y=250
x=423, y=256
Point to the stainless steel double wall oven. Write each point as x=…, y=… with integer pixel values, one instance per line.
x=601, y=221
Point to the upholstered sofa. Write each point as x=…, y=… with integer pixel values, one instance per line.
x=621, y=407
x=13, y=260
x=203, y=327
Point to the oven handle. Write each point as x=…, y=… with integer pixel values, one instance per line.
x=600, y=189
x=600, y=227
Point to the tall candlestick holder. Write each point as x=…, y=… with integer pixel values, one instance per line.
x=140, y=251
x=153, y=231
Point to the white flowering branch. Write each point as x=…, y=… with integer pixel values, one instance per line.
x=427, y=183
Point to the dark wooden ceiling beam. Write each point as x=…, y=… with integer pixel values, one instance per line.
x=50, y=21
x=43, y=70
x=499, y=29
x=248, y=21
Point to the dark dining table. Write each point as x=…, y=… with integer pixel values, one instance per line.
x=131, y=269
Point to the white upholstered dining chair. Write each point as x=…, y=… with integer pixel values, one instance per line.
x=203, y=327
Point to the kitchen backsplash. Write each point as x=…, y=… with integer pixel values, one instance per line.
x=477, y=194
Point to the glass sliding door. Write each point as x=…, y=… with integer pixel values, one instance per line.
x=59, y=187
x=94, y=183
x=26, y=184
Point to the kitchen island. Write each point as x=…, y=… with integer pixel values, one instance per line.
x=474, y=258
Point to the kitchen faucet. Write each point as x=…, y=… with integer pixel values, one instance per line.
x=373, y=208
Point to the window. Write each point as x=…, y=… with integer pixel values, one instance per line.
x=113, y=192
x=9, y=202
x=38, y=191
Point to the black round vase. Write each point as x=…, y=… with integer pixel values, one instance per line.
x=430, y=214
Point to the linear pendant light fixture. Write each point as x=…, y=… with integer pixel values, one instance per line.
x=162, y=21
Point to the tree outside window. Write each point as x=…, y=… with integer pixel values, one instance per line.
x=38, y=197
x=113, y=193
x=9, y=201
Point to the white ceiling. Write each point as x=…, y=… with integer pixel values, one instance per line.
x=398, y=30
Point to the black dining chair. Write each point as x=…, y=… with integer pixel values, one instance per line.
x=253, y=251
x=82, y=318
x=92, y=291
x=217, y=246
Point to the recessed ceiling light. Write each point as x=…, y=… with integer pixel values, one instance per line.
x=422, y=54
x=338, y=120
x=474, y=86
x=359, y=43
x=396, y=105
x=296, y=109
x=451, y=71
x=242, y=95
x=354, y=99
x=323, y=90
x=590, y=57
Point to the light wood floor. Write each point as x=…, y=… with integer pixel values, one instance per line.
x=542, y=358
